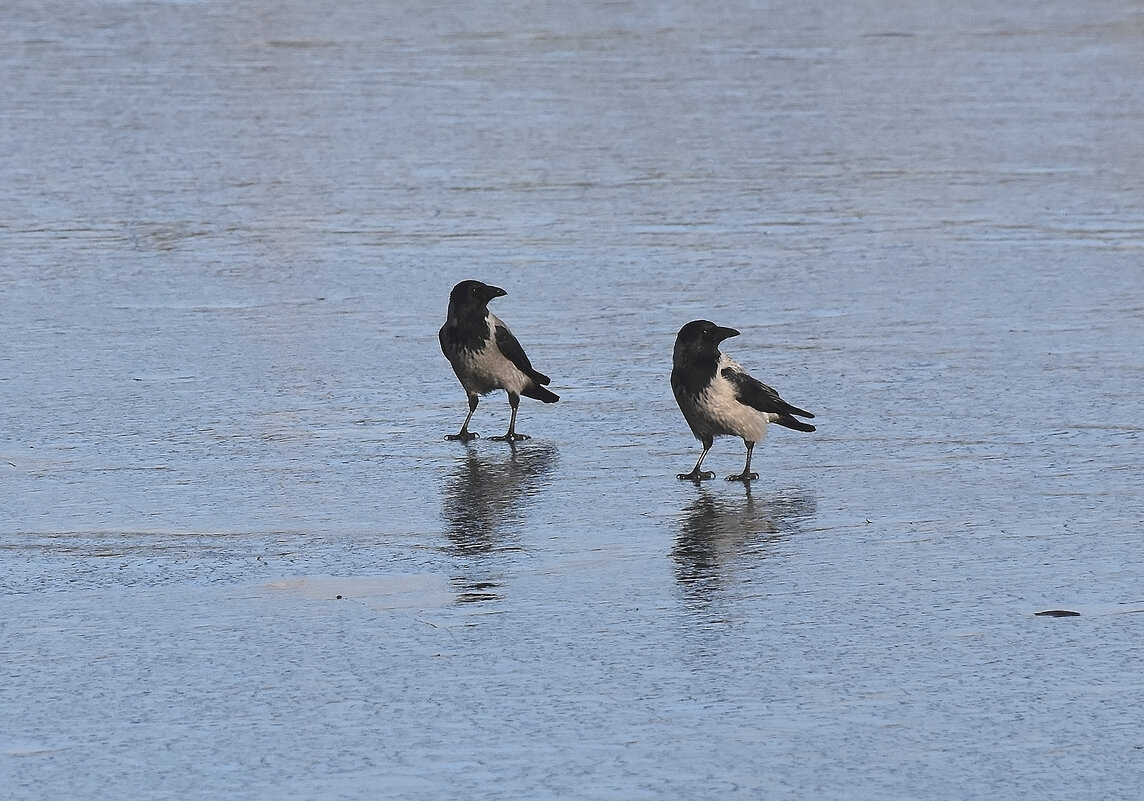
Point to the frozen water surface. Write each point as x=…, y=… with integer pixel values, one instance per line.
x=227, y=235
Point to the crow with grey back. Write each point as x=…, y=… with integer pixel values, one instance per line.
x=487, y=357
x=718, y=397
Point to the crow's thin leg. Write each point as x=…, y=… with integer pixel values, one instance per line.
x=512, y=436
x=696, y=474
x=464, y=435
x=746, y=475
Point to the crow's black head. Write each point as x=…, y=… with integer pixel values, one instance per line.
x=473, y=294
x=696, y=357
x=702, y=336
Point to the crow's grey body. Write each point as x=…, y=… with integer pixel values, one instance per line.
x=486, y=356
x=718, y=397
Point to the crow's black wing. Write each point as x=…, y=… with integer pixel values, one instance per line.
x=754, y=393
x=510, y=347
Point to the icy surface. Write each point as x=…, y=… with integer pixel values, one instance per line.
x=240, y=561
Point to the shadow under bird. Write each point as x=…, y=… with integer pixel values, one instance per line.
x=487, y=357
x=718, y=397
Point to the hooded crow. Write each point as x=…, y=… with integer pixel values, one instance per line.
x=717, y=396
x=486, y=356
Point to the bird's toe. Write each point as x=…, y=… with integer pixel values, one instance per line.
x=743, y=477
x=696, y=475
x=464, y=436
x=511, y=437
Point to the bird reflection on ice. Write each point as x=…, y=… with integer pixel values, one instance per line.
x=719, y=535
x=485, y=500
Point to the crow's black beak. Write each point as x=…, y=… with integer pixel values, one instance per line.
x=722, y=333
x=495, y=292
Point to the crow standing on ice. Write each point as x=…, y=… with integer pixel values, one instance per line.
x=486, y=356
x=717, y=396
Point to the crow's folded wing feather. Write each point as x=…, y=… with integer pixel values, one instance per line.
x=510, y=347
x=754, y=393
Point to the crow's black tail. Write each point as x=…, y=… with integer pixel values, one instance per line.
x=789, y=422
x=539, y=393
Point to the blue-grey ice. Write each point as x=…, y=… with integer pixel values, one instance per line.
x=240, y=561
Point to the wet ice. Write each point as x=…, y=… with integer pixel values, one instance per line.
x=228, y=239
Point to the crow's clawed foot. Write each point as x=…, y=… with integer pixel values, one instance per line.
x=464, y=436
x=696, y=476
x=744, y=477
x=514, y=437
